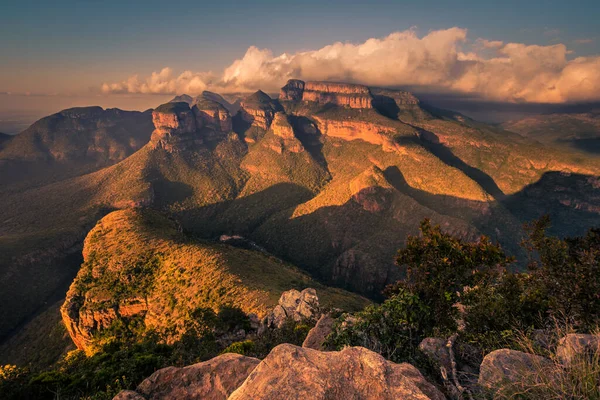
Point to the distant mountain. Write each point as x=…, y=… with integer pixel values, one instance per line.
x=73, y=142
x=4, y=137
x=579, y=131
x=330, y=177
x=209, y=97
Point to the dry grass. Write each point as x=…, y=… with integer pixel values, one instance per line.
x=580, y=379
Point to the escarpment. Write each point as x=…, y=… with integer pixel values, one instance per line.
x=341, y=94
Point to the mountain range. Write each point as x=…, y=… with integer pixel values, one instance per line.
x=321, y=184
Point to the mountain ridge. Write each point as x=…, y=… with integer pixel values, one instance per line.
x=329, y=188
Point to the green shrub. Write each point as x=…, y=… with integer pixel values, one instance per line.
x=243, y=348
x=438, y=267
x=392, y=329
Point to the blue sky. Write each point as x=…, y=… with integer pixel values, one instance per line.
x=75, y=46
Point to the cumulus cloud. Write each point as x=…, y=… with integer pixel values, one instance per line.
x=442, y=60
x=163, y=82
x=489, y=44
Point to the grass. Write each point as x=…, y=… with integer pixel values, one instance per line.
x=579, y=379
x=140, y=256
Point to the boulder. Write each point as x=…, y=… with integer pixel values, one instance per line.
x=511, y=366
x=295, y=305
x=128, y=395
x=435, y=349
x=577, y=346
x=215, y=379
x=291, y=372
x=317, y=335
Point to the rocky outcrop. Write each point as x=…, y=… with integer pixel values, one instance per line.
x=511, y=366
x=281, y=126
x=291, y=372
x=318, y=334
x=83, y=323
x=211, y=113
x=574, y=347
x=292, y=91
x=175, y=127
x=128, y=395
x=285, y=140
x=295, y=305
x=341, y=94
x=213, y=116
x=183, y=98
x=359, y=130
x=215, y=379
x=435, y=349
x=398, y=104
x=371, y=190
x=259, y=109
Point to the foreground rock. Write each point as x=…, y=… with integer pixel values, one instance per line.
x=437, y=351
x=318, y=334
x=295, y=305
x=291, y=372
x=511, y=366
x=215, y=379
x=128, y=395
x=576, y=346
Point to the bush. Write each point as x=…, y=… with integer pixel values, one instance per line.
x=393, y=329
x=243, y=348
x=567, y=274
x=438, y=267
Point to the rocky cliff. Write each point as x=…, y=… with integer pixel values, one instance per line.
x=175, y=127
x=292, y=91
x=212, y=115
x=354, y=129
x=284, y=140
x=341, y=94
x=259, y=109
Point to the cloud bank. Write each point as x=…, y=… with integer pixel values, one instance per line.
x=443, y=60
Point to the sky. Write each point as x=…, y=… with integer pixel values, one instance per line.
x=135, y=54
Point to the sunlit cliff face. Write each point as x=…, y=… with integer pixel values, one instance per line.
x=444, y=60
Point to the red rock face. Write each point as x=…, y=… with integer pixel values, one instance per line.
x=173, y=129
x=353, y=96
x=354, y=129
x=181, y=121
x=216, y=118
x=258, y=117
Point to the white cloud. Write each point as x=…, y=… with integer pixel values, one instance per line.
x=441, y=60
